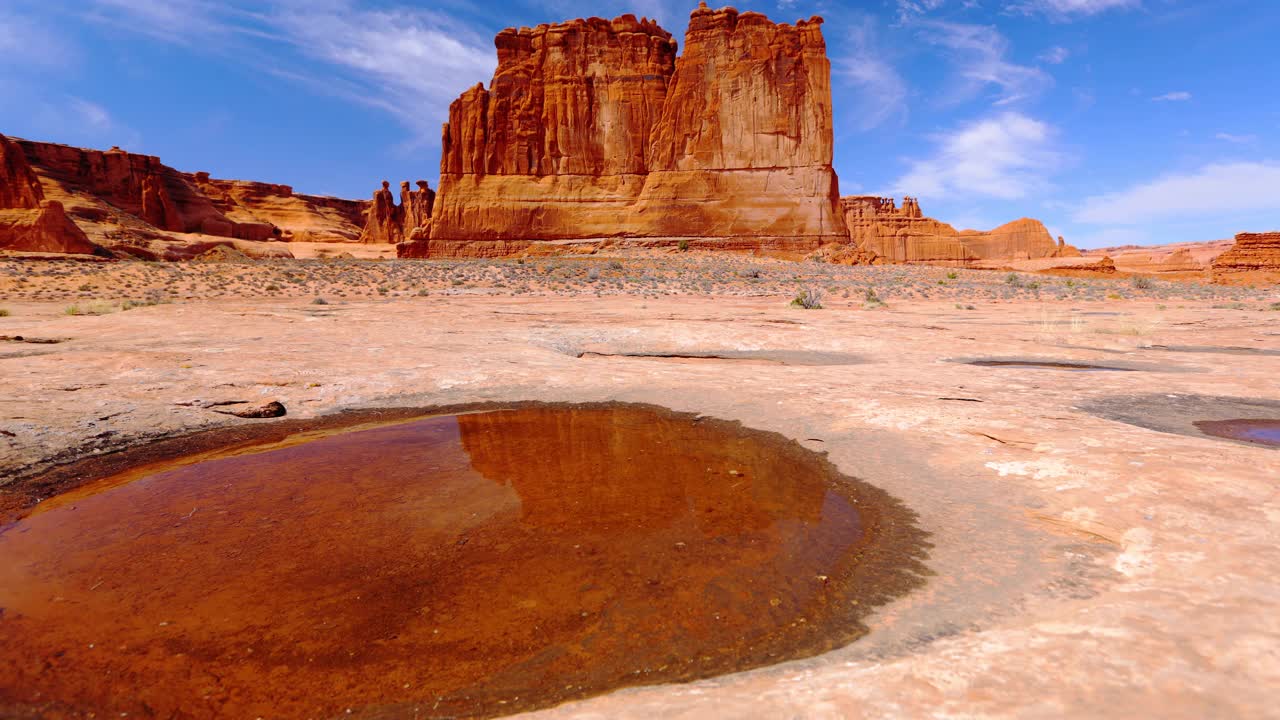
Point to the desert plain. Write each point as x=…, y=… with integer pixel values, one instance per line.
x=1092, y=552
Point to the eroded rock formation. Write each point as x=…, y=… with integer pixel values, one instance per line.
x=29, y=222
x=274, y=211
x=885, y=233
x=388, y=222
x=135, y=205
x=595, y=129
x=1255, y=257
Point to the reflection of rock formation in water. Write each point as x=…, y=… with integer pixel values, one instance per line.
x=618, y=466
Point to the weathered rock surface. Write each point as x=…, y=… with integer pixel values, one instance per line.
x=19, y=186
x=555, y=147
x=283, y=214
x=388, y=222
x=744, y=144
x=885, y=233
x=1079, y=267
x=1254, y=258
x=29, y=222
x=46, y=229
x=595, y=129
x=136, y=205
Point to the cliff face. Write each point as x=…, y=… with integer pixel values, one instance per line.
x=29, y=222
x=889, y=234
x=743, y=147
x=555, y=147
x=387, y=222
x=296, y=217
x=1255, y=257
x=136, y=204
x=595, y=129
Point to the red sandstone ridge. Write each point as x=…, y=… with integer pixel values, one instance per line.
x=135, y=205
x=883, y=233
x=29, y=222
x=391, y=223
x=1255, y=258
x=595, y=129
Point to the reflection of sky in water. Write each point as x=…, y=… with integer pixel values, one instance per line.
x=1269, y=434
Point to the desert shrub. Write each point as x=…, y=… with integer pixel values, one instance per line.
x=1272, y=306
x=1013, y=280
x=683, y=246
x=1143, y=283
x=319, y=301
x=4, y=312
x=952, y=275
x=808, y=298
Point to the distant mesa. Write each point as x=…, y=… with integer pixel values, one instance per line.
x=1255, y=257
x=129, y=205
x=881, y=233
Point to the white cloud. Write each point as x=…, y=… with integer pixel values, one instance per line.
x=881, y=92
x=1237, y=139
x=26, y=43
x=1212, y=191
x=1006, y=156
x=415, y=61
x=1064, y=9
x=1055, y=55
x=979, y=51
x=1178, y=96
x=409, y=62
x=92, y=115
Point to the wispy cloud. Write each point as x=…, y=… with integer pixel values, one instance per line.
x=1055, y=55
x=1066, y=9
x=1212, y=191
x=409, y=62
x=26, y=43
x=1237, y=139
x=980, y=52
x=1006, y=156
x=1178, y=96
x=880, y=93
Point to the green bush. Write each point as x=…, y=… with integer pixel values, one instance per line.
x=808, y=298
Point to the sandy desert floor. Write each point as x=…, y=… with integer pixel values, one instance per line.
x=1094, y=554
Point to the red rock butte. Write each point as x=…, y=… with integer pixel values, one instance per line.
x=1255, y=257
x=881, y=232
x=596, y=129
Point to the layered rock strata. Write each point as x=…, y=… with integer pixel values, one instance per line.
x=595, y=129
x=883, y=233
x=1255, y=257
x=29, y=222
x=135, y=205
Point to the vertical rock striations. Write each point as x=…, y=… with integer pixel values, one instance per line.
x=29, y=222
x=387, y=222
x=595, y=129
x=555, y=147
x=743, y=147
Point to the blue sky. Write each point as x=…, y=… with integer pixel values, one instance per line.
x=1114, y=121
